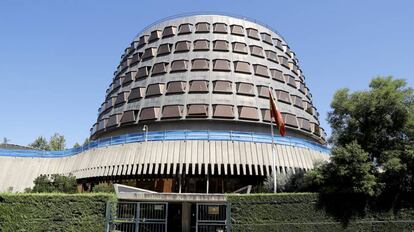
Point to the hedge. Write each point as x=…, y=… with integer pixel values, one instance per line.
x=304, y=212
x=53, y=212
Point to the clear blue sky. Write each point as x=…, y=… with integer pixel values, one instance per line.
x=57, y=57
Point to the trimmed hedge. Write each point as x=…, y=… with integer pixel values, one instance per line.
x=303, y=212
x=53, y=212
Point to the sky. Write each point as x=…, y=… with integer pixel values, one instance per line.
x=58, y=57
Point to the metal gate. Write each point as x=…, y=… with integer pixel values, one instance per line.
x=212, y=217
x=136, y=216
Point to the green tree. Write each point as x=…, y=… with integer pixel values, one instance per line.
x=76, y=145
x=57, y=142
x=42, y=184
x=86, y=142
x=40, y=143
x=373, y=140
x=57, y=183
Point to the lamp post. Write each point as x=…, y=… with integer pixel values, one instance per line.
x=145, y=129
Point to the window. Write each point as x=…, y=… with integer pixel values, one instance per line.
x=172, y=111
x=252, y=33
x=284, y=61
x=179, y=66
x=304, y=124
x=260, y=70
x=297, y=101
x=184, y=28
x=202, y=27
x=267, y=38
x=201, y=44
x=175, y=87
x=222, y=87
x=237, y=30
x=248, y=113
x=102, y=124
x=136, y=94
x=271, y=55
x=159, y=68
x=198, y=86
x=315, y=129
x=200, y=64
x=121, y=98
x=151, y=113
x=278, y=44
x=223, y=111
x=245, y=88
x=164, y=49
x=290, y=120
x=136, y=58
x=221, y=65
x=256, y=51
x=169, y=31
x=182, y=46
x=277, y=75
x=113, y=120
x=143, y=72
x=302, y=88
x=283, y=96
x=129, y=77
x=266, y=115
x=263, y=91
x=155, y=89
x=290, y=80
x=142, y=41
x=220, y=45
x=197, y=110
x=155, y=35
x=149, y=53
x=240, y=47
x=116, y=84
x=220, y=28
x=242, y=67
x=128, y=117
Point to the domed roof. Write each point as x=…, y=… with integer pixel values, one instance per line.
x=207, y=72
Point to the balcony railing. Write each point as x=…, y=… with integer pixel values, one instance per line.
x=171, y=136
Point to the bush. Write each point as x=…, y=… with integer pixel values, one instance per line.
x=103, y=188
x=57, y=183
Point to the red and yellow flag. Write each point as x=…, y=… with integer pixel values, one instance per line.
x=276, y=115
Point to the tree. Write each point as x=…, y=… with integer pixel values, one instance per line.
x=372, y=139
x=76, y=145
x=57, y=142
x=86, y=142
x=42, y=183
x=40, y=143
x=57, y=183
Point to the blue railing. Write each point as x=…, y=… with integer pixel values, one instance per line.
x=171, y=136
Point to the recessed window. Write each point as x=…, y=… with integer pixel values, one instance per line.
x=283, y=96
x=266, y=115
x=278, y=44
x=223, y=111
x=202, y=27
x=175, y=87
x=248, y=113
x=155, y=90
x=159, y=68
x=237, y=30
x=128, y=117
x=263, y=91
x=220, y=28
x=200, y=64
x=113, y=120
x=245, y=88
x=121, y=98
x=290, y=80
x=179, y=66
x=242, y=67
x=222, y=87
x=136, y=58
x=277, y=75
x=102, y=124
x=271, y=55
x=302, y=88
x=182, y=46
x=221, y=65
x=143, y=72
x=260, y=70
x=164, y=49
x=293, y=67
x=304, y=124
x=297, y=101
x=129, y=77
x=151, y=113
x=267, y=38
x=252, y=33
x=290, y=119
x=142, y=41
x=116, y=84
x=172, y=111
x=315, y=129
x=155, y=35
x=239, y=47
x=198, y=86
x=197, y=111
x=284, y=61
x=136, y=94
x=149, y=53
x=169, y=31
x=256, y=51
x=184, y=28
x=220, y=45
x=201, y=44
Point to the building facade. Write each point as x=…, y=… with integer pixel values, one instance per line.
x=188, y=111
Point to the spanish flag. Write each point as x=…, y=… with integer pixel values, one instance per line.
x=276, y=115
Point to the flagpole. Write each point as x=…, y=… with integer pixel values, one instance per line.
x=273, y=151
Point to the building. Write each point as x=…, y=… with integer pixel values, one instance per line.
x=188, y=111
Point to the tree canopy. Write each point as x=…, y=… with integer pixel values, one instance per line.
x=56, y=143
x=372, y=139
